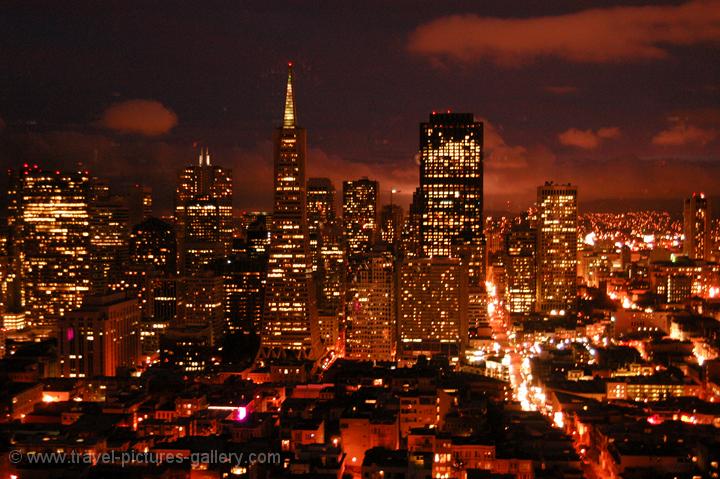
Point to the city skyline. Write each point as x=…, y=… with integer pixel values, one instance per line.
x=442, y=239
x=575, y=116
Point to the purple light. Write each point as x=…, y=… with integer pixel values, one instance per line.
x=240, y=414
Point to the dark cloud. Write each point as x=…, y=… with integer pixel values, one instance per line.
x=144, y=117
x=599, y=35
x=561, y=89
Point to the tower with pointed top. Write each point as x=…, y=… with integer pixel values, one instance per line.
x=290, y=320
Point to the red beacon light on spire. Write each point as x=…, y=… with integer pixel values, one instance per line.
x=290, y=64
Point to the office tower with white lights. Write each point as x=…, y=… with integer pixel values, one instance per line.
x=290, y=322
x=360, y=216
x=49, y=219
x=371, y=325
x=557, y=242
x=203, y=214
x=451, y=183
x=432, y=306
x=521, y=264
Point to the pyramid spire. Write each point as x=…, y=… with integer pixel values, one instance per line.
x=289, y=115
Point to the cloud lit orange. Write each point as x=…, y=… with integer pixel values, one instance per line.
x=601, y=35
x=588, y=139
x=682, y=134
x=144, y=117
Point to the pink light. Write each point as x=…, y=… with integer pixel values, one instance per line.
x=70, y=334
x=240, y=413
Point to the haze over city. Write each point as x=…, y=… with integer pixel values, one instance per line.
x=130, y=89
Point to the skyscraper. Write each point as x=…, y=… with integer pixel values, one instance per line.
x=151, y=275
x=320, y=203
x=370, y=333
x=321, y=216
x=433, y=306
x=520, y=248
x=696, y=216
x=100, y=337
x=200, y=304
x=109, y=234
x=290, y=322
x=244, y=288
x=557, y=243
x=360, y=198
x=451, y=183
x=391, y=222
x=48, y=215
x=203, y=213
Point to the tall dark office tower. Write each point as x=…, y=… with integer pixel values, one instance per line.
x=257, y=236
x=696, y=216
x=557, y=227
x=151, y=269
x=521, y=258
x=290, y=321
x=207, y=190
x=451, y=182
x=202, y=239
x=320, y=203
x=139, y=203
x=320, y=213
x=391, y=222
x=49, y=221
x=410, y=234
x=360, y=198
x=152, y=247
x=109, y=234
x=244, y=288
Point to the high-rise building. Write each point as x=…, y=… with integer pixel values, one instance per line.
x=202, y=239
x=697, y=243
x=139, y=203
x=371, y=325
x=451, y=183
x=48, y=216
x=391, y=223
x=290, y=321
x=153, y=247
x=557, y=242
x=257, y=236
x=99, y=337
x=360, y=211
x=152, y=267
x=410, y=234
x=200, y=304
x=520, y=249
x=320, y=203
x=244, y=288
x=433, y=306
x=109, y=234
x=321, y=215
x=203, y=212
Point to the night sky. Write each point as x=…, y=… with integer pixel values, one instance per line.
x=620, y=97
